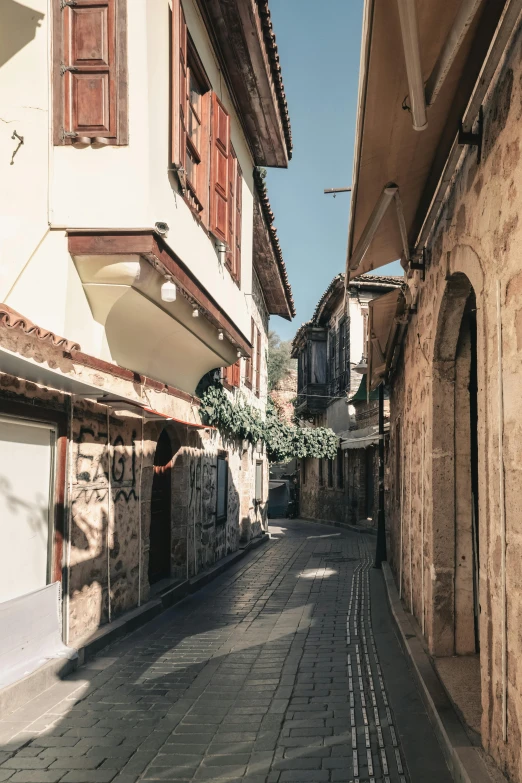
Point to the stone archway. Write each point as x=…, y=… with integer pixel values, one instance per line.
x=455, y=540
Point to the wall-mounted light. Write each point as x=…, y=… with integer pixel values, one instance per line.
x=239, y=354
x=221, y=336
x=168, y=291
x=195, y=313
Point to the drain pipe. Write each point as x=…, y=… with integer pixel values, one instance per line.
x=502, y=509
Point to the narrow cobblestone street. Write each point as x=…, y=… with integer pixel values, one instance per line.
x=285, y=668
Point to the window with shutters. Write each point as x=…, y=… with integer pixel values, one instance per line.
x=235, y=187
x=251, y=359
x=232, y=375
x=258, y=362
x=191, y=106
x=90, y=103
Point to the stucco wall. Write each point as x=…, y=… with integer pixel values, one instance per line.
x=478, y=236
x=48, y=189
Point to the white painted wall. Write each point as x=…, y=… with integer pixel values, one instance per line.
x=48, y=189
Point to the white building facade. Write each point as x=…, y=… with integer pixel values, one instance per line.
x=138, y=255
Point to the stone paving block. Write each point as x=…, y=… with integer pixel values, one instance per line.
x=90, y=776
x=36, y=776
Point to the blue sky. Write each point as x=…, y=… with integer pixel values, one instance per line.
x=319, y=46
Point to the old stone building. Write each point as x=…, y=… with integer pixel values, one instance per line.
x=139, y=255
x=332, y=394
x=450, y=348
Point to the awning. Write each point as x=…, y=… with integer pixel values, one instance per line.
x=39, y=373
x=361, y=439
x=361, y=395
x=387, y=148
x=386, y=319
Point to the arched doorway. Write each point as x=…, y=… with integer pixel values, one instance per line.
x=456, y=551
x=160, y=512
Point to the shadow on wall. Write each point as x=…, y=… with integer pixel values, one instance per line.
x=154, y=523
x=18, y=28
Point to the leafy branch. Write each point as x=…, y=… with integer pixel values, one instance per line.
x=283, y=441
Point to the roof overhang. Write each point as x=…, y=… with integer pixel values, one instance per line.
x=387, y=148
x=386, y=321
x=268, y=258
x=242, y=35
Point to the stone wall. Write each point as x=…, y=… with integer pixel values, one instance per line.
x=475, y=248
x=108, y=477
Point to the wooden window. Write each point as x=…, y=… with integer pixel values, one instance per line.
x=340, y=468
x=259, y=482
x=90, y=72
x=303, y=471
x=222, y=489
x=258, y=362
x=250, y=360
x=321, y=473
x=235, y=187
x=232, y=375
x=219, y=170
x=330, y=472
x=190, y=116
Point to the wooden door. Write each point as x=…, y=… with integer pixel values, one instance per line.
x=161, y=512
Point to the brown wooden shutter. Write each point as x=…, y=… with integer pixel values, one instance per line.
x=219, y=175
x=232, y=163
x=236, y=373
x=179, y=86
x=258, y=357
x=250, y=359
x=238, y=217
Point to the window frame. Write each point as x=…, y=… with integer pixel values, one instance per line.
x=321, y=473
x=330, y=474
x=196, y=194
x=340, y=468
x=258, y=492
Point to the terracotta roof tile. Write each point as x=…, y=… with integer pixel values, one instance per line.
x=273, y=56
x=269, y=217
x=13, y=320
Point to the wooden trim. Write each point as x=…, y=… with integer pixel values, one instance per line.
x=122, y=75
x=152, y=247
x=27, y=410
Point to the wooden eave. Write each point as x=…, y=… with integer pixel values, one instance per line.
x=267, y=267
x=248, y=56
x=387, y=148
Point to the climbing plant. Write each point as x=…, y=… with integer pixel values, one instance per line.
x=283, y=441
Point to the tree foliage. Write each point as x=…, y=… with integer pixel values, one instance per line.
x=237, y=419
x=279, y=359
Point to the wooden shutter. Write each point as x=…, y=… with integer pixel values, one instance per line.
x=236, y=373
x=250, y=360
x=258, y=357
x=238, y=216
x=219, y=175
x=179, y=86
x=232, y=165
x=90, y=64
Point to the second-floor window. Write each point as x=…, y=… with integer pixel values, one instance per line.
x=232, y=375
x=90, y=72
x=201, y=150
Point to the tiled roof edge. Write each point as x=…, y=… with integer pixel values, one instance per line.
x=275, y=66
x=269, y=217
x=14, y=320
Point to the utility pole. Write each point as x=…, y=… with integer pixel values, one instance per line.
x=334, y=191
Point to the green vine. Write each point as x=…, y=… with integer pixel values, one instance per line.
x=283, y=441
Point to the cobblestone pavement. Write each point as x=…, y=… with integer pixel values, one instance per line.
x=270, y=674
